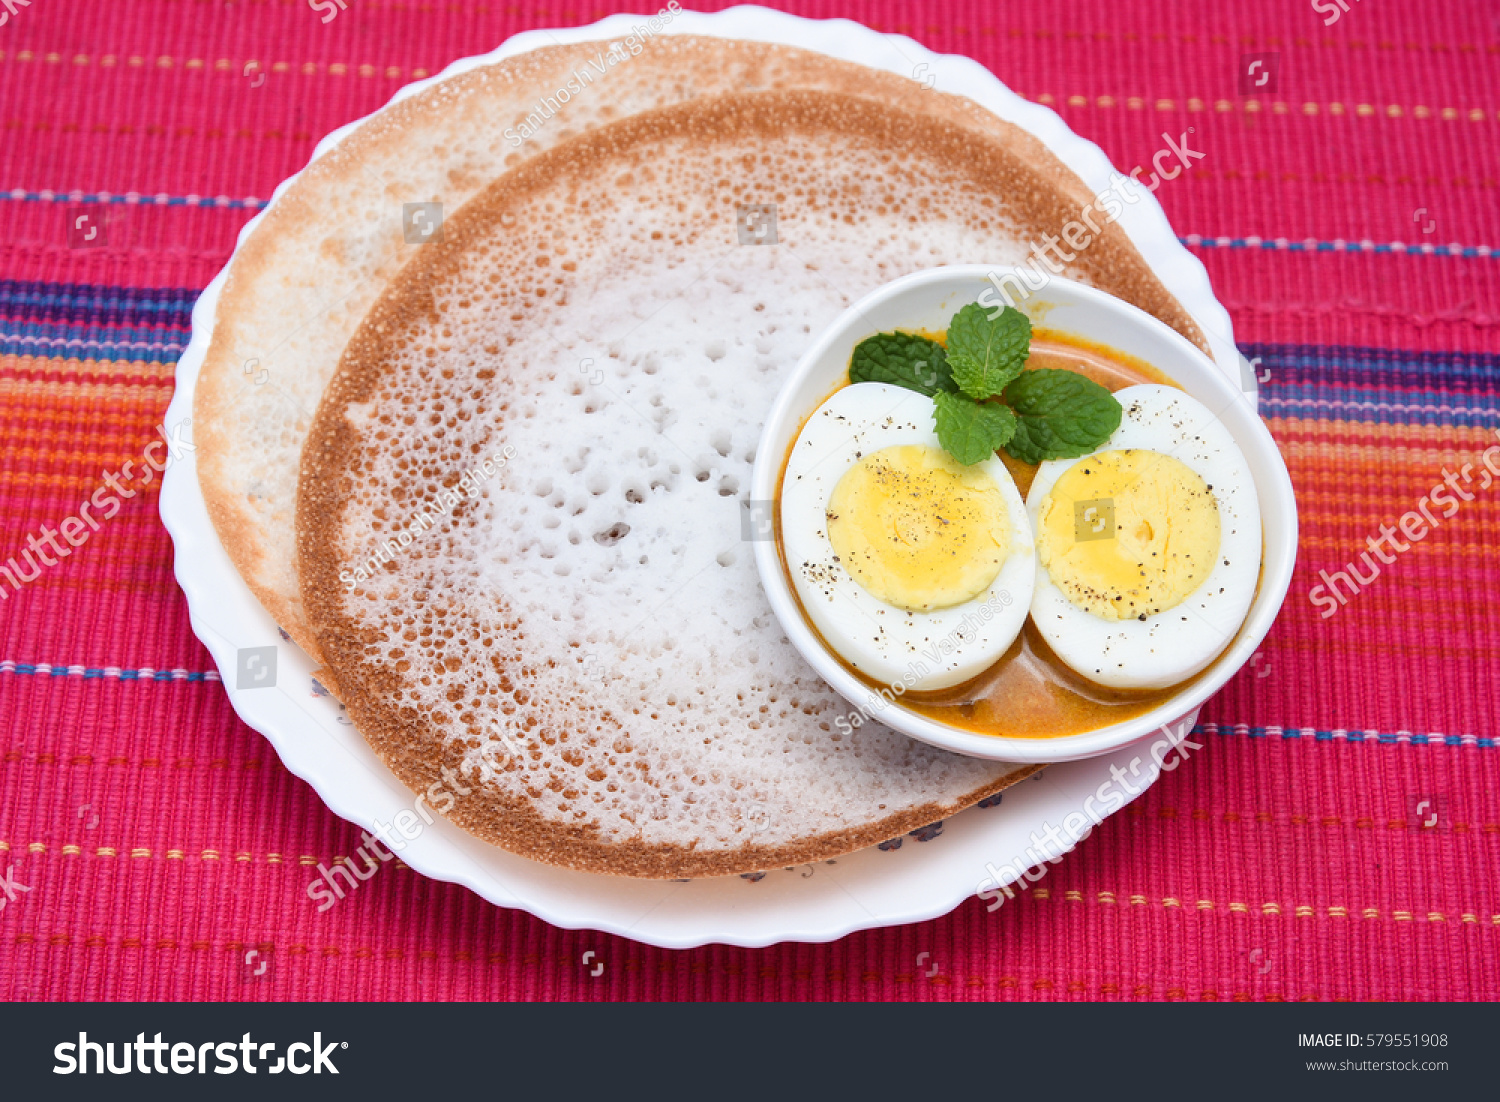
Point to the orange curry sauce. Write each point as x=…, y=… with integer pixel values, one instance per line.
x=1028, y=692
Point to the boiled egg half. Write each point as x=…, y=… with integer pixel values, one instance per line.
x=916, y=570
x=1149, y=548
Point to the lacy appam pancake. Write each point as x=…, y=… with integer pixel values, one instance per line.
x=520, y=533
x=328, y=246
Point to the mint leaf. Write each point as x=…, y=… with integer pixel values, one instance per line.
x=986, y=354
x=1060, y=415
x=971, y=431
x=902, y=359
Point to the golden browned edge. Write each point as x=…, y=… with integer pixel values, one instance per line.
x=369, y=690
x=220, y=381
x=697, y=59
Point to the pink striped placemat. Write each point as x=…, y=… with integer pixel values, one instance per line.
x=1338, y=837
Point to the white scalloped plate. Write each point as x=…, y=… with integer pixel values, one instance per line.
x=906, y=881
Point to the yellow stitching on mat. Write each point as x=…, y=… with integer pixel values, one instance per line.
x=1276, y=107
x=1257, y=176
x=144, y=852
x=1303, y=910
x=250, y=764
x=1363, y=822
x=222, y=65
x=391, y=72
x=1072, y=895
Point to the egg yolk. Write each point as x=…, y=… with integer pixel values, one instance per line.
x=917, y=528
x=1128, y=534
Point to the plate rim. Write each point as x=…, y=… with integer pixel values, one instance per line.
x=200, y=563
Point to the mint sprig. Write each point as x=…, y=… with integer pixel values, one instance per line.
x=902, y=359
x=1060, y=415
x=972, y=431
x=983, y=398
x=986, y=355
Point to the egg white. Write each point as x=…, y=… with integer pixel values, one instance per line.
x=917, y=650
x=1170, y=647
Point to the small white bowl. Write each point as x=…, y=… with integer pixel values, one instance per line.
x=928, y=300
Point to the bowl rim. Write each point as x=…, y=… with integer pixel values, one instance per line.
x=1278, y=532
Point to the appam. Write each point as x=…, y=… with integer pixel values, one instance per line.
x=320, y=256
x=520, y=536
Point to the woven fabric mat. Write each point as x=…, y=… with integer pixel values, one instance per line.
x=1337, y=837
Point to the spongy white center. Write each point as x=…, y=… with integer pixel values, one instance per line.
x=598, y=605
